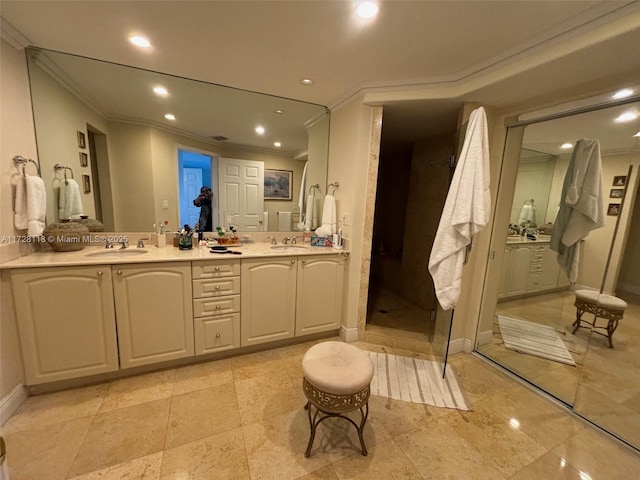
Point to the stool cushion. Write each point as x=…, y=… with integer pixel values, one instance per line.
x=601, y=299
x=337, y=367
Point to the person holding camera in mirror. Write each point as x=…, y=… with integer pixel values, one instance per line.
x=203, y=201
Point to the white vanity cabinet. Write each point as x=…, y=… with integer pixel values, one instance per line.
x=319, y=294
x=216, y=305
x=153, y=311
x=268, y=302
x=66, y=322
x=517, y=259
x=290, y=296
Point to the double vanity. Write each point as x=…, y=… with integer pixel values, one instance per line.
x=96, y=311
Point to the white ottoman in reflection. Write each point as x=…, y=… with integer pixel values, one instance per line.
x=601, y=305
x=336, y=381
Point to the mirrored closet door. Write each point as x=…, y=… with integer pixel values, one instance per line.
x=528, y=316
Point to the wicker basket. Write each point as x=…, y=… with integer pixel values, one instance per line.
x=65, y=236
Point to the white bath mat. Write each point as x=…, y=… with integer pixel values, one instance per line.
x=415, y=380
x=534, y=339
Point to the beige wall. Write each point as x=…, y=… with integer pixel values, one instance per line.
x=17, y=137
x=629, y=280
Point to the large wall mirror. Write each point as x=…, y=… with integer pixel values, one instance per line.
x=528, y=314
x=140, y=144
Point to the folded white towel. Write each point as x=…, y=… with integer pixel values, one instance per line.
x=310, y=211
x=20, y=219
x=36, y=205
x=303, y=187
x=328, y=226
x=69, y=201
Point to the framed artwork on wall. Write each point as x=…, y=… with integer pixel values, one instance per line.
x=620, y=181
x=277, y=184
x=614, y=209
x=82, y=143
x=86, y=183
x=616, y=193
x=84, y=159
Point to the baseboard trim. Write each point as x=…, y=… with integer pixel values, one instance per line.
x=460, y=345
x=11, y=402
x=348, y=334
x=485, y=337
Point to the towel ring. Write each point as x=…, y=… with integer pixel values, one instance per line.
x=334, y=185
x=313, y=187
x=20, y=160
x=59, y=166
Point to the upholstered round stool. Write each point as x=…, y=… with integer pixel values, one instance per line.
x=336, y=381
x=600, y=305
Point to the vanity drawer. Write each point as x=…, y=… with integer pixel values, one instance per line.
x=535, y=267
x=214, y=334
x=215, y=269
x=216, y=287
x=216, y=306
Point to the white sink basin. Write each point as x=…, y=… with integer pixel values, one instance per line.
x=288, y=248
x=117, y=253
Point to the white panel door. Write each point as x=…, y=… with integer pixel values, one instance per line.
x=241, y=187
x=191, y=183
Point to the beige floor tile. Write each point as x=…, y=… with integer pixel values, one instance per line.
x=478, y=378
x=502, y=444
x=438, y=452
x=143, y=468
x=594, y=453
x=221, y=456
x=548, y=467
x=139, y=389
x=202, y=375
x=386, y=460
x=325, y=473
x=57, y=407
x=202, y=413
x=400, y=417
x=121, y=435
x=45, y=452
x=266, y=396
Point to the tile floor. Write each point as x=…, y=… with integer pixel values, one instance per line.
x=243, y=418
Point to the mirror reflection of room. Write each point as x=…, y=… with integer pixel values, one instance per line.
x=549, y=293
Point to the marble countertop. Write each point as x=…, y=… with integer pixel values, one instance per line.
x=518, y=239
x=98, y=255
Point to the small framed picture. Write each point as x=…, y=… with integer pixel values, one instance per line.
x=616, y=193
x=614, y=209
x=82, y=142
x=277, y=184
x=84, y=159
x=86, y=183
x=620, y=181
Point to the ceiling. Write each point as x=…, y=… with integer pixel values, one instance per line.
x=500, y=53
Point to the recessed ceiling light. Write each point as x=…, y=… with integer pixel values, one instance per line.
x=624, y=93
x=279, y=111
x=566, y=146
x=277, y=144
x=140, y=41
x=260, y=130
x=626, y=117
x=170, y=116
x=160, y=90
x=367, y=10
x=306, y=81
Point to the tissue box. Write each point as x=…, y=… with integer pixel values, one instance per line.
x=317, y=241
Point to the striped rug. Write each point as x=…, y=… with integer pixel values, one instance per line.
x=415, y=380
x=534, y=339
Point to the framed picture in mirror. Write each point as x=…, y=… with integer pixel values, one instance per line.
x=616, y=193
x=86, y=183
x=614, y=209
x=277, y=184
x=619, y=181
x=82, y=142
x=84, y=159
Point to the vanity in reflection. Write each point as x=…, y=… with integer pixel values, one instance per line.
x=527, y=289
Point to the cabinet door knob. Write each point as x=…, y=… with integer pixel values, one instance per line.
x=304, y=260
x=218, y=307
x=99, y=273
x=217, y=287
x=293, y=261
x=119, y=272
x=217, y=335
x=217, y=269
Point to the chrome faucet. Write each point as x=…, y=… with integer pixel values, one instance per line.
x=124, y=243
x=285, y=240
x=140, y=242
x=273, y=239
x=293, y=240
x=109, y=244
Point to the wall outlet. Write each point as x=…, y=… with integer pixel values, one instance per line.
x=165, y=204
x=344, y=219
